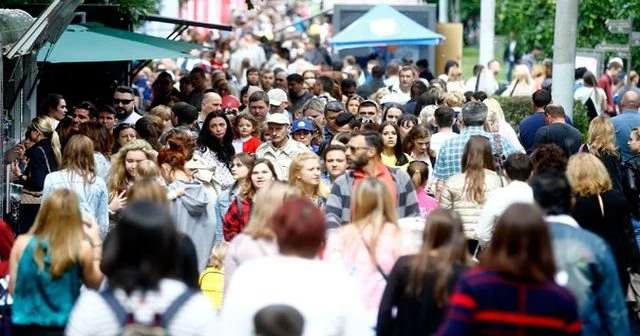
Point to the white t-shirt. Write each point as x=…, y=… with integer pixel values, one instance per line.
x=325, y=296
x=583, y=93
x=439, y=138
x=91, y=314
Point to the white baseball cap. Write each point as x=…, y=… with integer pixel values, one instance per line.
x=277, y=97
x=278, y=119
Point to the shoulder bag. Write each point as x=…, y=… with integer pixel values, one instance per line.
x=30, y=196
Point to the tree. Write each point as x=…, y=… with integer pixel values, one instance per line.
x=533, y=22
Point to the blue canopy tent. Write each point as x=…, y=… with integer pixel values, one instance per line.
x=383, y=25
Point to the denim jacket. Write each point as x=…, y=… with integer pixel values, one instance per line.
x=587, y=268
x=223, y=202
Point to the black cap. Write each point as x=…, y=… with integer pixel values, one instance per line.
x=185, y=112
x=344, y=118
x=106, y=108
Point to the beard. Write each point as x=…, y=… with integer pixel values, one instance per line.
x=358, y=162
x=122, y=113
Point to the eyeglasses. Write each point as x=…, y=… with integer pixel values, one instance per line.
x=366, y=121
x=123, y=101
x=355, y=148
x=230, y=110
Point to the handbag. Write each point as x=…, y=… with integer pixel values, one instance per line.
x=384, y=275
x=30, y=196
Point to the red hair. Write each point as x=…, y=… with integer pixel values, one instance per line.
x=174, y=155
x=299, y=226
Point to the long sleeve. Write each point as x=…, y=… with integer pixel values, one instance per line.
x=37, y=168
x=334, y=208
x=231, y=264
x=486, y=221
x=609, y=294
x=540, y=139
x=390, y=298
x=102, y=209
x=446, y=199
x=462, y=307
x=232, y=222
x=219, y=221
x=408, y=200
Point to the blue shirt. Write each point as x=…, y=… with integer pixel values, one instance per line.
x=623, y=124
x=530, y=125
x=449, y=158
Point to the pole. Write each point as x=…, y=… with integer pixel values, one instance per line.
x=629, y=67
x=443, y=11
x=487, y=30
x=564, y=55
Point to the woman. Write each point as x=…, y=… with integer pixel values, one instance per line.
x=368, y=248
x=418, y=145
x=522, y=84
x=215, y=147
x=295, y=277
x=44, y=158
x=102, y=142
x=164, y=113
x=455, y=82
x=55, y=108
x=193, y=208
x=257, y=239
x=521, y=237
x=241, y=165
x=466, y=192
x=353, y=102
x=123, y=134
x=392, y=112
x=419, y=172
x=122, y=173
x=148, y=131
x=78, y=173
x=419, y=285
x=263, y=173
x=601, y=142
x=49, y=264
x=392, y=153
x=590, y=90
x=602, y=210
x=304, y=174
x=504, y=128
x=141, y=280
x=406, y=122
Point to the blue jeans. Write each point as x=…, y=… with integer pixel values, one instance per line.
x=635, y=222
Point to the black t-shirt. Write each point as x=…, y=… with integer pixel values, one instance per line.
x=565, y=136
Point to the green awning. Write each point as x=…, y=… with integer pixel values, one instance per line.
x=93, y=42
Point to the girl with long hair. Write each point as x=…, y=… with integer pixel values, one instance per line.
x=141, y=284
x=518, y=270
x=247, y=129
x=393, y=154
x=466, y=192
x=122, y=135
x=257, y=238
x=193, y=207
x=44, y=157
x=304, y=174
x=55, y=107
x=392, y=112
x=241, y=165
x=418, y=145
x=522, y=85
x=49, y=264
x=601, y=142
x=78, y=173
x=369, y=247
x=419, y=172
x=419, y=285
x=262, y=174
x=592, y=91
x=102, y=142
x=215, y=147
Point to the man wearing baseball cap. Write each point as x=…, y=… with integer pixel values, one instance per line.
x=302, y=132
x=280, y=150
x=278, y=101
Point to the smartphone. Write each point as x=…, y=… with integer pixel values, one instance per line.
x=121, y=189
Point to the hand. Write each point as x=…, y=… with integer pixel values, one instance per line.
x=118, y=202
x=15, y=169
x=179, y=192
x=19, y=149
x=92, y=230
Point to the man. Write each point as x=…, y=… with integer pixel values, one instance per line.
x=211, y=102
x=584, y=260
x=184, y=117
x=278, y=101
x=323, y=88
x=626, y=121
x=511, y=54
x=606, y=82
x=530, y=125
x=370, y=111
x=335, y=161
x=314, y=109
x=402, y=92
x=530, y=59
x=253, y=76
x=363, y=157
x=82, y=114
x=280, y=80
x=376, y=82
x=558, y=132
x=518, y=168
x=347, y=122
x=107, y=117
x=124, y=103
x=449, y=158
x=199, y=81
x=331, y=111
x=393, y=70
x=281, y=149
x=267, y=79
x=444, y=117
x=489, y=84
x=298, y=95
x=348, y=87
x=423, y=70
x=259, y=105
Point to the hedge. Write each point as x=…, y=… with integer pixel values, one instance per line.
x=516, y=108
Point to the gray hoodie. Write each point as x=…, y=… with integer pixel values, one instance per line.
x=194, y=215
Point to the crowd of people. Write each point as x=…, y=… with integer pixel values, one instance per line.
x=297, y=196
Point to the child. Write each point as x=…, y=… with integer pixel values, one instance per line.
x=246, y=127
x=419, y=172
x=212, y=279
x=147, y=169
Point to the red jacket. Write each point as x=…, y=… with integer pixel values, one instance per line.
x=251, y=145
x=236, y=219
x=7, y=239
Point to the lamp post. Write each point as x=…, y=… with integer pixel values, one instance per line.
x=564, y=55
x=487, y=30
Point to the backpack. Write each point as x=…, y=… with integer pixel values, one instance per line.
x=591, y=107
x=160, y=325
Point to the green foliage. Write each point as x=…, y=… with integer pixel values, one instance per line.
x=533, y=21
x=517, y=108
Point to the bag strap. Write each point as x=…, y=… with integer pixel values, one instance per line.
x=115, y=306
x=175, y=306
x=514, y=88
x=239, y=205
x=45, y=160
x=601, y=205
x=384, y=276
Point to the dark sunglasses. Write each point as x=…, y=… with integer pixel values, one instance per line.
x=123, y=101
x=366, y=121
x=230, y=110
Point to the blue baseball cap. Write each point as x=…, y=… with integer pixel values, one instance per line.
x=302, y=124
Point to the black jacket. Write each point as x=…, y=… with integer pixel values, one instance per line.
x=39, y=155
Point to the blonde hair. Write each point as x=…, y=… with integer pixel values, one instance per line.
x=265, y=204
x=147, y=169
x=602, y=137
x=44, y=125
x=296, y=167
x=377, y=96
x=538, y=70
x=494, y=106
x=521, y=74
x=587, y=175
x=148, y=189
x=454, y=99
x=117, y=172
x=373, y=206
x=78, y=158
x=427, y=114
x=455, y=74
x=162, y=111
x=218, y=253
x=492, y=123
x=59, y=222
